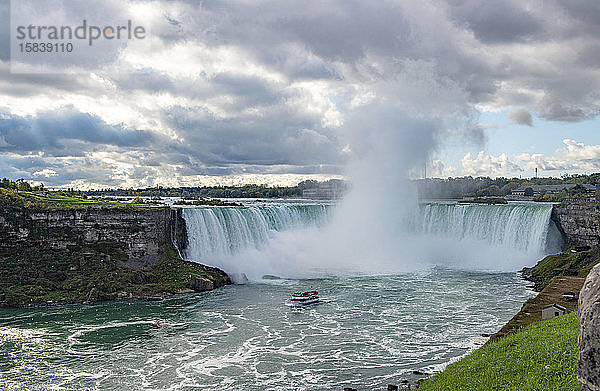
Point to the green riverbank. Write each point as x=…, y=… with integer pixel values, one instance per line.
x=528, y=354
x=542, y=356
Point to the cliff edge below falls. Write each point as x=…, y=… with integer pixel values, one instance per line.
x=94, y=254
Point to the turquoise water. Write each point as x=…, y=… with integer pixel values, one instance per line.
x=370, y=331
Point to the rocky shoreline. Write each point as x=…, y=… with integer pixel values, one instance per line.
x=34, y=278
x=551, y=277
x=79, y=255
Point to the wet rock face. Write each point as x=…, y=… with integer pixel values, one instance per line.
x=201, y=284
x=589, y=339
x=140, y=232
x=580, y=224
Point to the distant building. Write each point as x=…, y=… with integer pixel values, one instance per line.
x=333, y=189
x=552, y=310
x=569, y=296
x=549, y=189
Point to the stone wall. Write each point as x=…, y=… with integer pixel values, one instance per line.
x=579, y=224
x=139, y=232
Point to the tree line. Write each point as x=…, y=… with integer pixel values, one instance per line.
x=431, y=188
x=437, y=188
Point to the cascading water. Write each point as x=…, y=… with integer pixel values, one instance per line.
x=222, y=231
x=523, y=227
x=294, y=239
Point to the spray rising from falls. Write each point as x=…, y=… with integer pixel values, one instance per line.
x=284, y=239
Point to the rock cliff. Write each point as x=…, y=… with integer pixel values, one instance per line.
x=589, y=339
x=138, y=232
x=90, y=254
x=579, y=224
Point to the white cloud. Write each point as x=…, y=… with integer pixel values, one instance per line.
x=437, y=169
x=581, y=152
x=543, y=163
x=488, y=165
x=46, y=172
x=576, y=156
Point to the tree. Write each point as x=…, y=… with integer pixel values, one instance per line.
x=22, y=185
x=529, y=192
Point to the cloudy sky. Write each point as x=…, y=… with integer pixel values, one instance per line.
x=267, y=91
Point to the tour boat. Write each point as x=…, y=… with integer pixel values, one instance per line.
x=304, y=298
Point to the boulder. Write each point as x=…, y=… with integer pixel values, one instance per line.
x=199, y=284
x=589, y=339
x=93, y=295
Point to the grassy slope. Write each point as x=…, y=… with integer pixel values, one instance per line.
x=576, y=264
x=52, y=199
x=542, y=356
x=531, y=311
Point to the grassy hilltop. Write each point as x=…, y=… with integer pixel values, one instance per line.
x=40, y=198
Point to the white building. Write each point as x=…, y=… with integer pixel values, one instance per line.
x=552, y=310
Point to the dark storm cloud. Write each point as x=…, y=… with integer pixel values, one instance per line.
x=496, y=21
x=146, y=79
x=521, y=117
x=343, y=31
x=57, y=133
x=523, y=56
x=565, y=113
x=350, y=31
x=253, y=90
x=280, y=137
x=586, y=13
x=28, y=85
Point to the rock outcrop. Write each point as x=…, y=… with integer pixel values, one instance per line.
x=579, y=224
x=589, y=339
x=93, y=254
x=140, y=231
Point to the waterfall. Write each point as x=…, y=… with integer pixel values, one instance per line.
x=523, y=227
x=219, y=231
x=282, y=237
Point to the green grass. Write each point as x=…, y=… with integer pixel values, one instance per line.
x=46, y=199
x=540, y=357
x=576, y=264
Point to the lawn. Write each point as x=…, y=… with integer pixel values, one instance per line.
x=54, y=199
x=540, y=357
